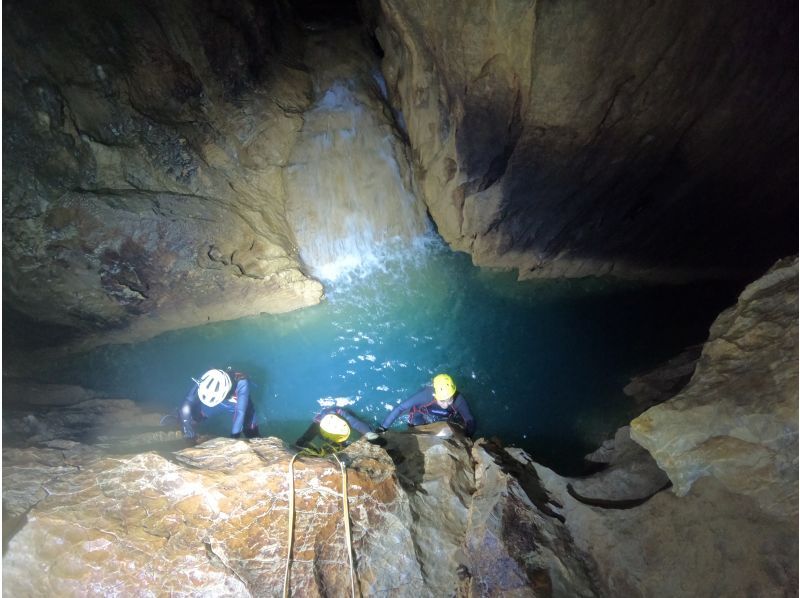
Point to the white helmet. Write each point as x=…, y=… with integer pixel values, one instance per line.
x=213, y=387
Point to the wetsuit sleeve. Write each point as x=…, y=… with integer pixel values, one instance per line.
x=421, y=398
x=353, y=421
x=187, y=412
x=242, y=401
x=309, y=435
x=460, y=405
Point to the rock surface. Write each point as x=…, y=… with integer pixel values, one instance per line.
x=142, y=173
x=706, y=544
x=430, y=516
x=631, y=475
x=187, y=164
x=640, y=139
x=654, y=387
x=737, y=419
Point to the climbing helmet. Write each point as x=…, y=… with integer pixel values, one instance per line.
x=213, y=387
x=334, y=428
x=444, y=389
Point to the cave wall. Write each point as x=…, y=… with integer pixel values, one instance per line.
x=737, y=418
x=642, y=139
x=143, y=151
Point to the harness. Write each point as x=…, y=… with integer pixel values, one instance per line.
x=433, y=409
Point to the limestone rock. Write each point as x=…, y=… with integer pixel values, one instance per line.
x=638, y=139
x=709, y=543
x=431, y=515
x=141, y=144
x=737, y=419
x=631, y=475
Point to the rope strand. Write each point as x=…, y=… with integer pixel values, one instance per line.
x=291, y=527
x=347, y=533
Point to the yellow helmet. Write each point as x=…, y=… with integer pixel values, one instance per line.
x=443, y=387
x=334, y=428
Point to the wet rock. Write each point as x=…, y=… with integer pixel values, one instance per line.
x=430, y=516
x=631, y=475
x=628, y=139
x=135, y=143
x=709, y=543
x=736, y=420
x=28, y=392
x=84, y=421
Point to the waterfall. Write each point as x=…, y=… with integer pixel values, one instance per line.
x=348, y=184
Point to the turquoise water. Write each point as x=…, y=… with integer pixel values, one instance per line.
x=541, y=363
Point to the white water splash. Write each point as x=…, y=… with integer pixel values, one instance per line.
x=349, y=186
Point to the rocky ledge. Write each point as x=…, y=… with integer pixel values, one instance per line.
x=99, y=499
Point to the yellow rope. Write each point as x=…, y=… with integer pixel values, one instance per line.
x=347, y=533
x=291, y=527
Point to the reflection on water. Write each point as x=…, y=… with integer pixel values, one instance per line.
x=542, y=363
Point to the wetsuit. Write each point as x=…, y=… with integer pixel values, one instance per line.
x=313, y=430
x=237, y=403
x=423, y=409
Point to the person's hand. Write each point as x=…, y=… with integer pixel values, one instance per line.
x=374, y=438
x=380, y=430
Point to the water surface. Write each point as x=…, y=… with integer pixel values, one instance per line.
x=541, y=363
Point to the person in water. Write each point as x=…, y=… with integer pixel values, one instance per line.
x=334, y=425
x=215, y=393
x=440, y=402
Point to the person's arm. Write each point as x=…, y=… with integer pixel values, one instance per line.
x=308, y=435
x=353, y=421
x=460, y=405
x=186, y=412
x=421, y=398
x=242, y=401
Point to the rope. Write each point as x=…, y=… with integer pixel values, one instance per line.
x=348, y=535
x=291, y=527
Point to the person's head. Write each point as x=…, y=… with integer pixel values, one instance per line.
x=444, y=390
x=334, y=428
x=213, y=387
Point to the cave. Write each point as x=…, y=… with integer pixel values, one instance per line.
x=584, y=213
